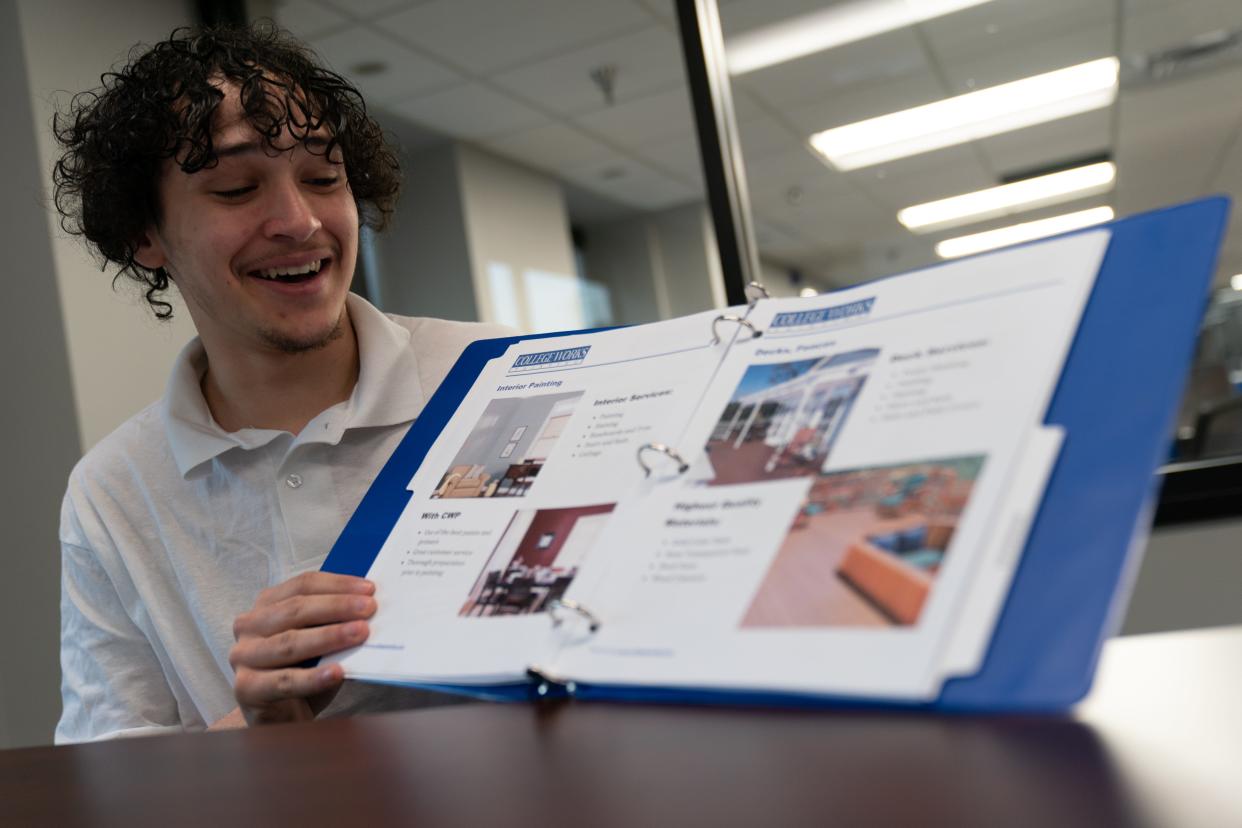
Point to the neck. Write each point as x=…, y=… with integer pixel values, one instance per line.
x=272, y=389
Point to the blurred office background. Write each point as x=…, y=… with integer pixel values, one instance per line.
x=554, y=181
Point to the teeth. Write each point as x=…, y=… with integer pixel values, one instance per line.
x=300, y=270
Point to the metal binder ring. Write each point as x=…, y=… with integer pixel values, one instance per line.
x=755, y=291
x=668, y=451
x=555, y=604
x=729, y=317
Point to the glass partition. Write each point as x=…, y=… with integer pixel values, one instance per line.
x=878, y=137
x=552, y=172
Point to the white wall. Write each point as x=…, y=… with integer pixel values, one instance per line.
x=689, y=261
x=514, y=216
x=462, y=210
x=657, y=265
x=119, y=354
x=619, y=255
x=79, y=358
x=423, y=258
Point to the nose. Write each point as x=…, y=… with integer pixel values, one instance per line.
x=290, y=215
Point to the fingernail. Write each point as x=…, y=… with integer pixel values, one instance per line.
x=356, y=629
x=327, y=674
x=363, y=604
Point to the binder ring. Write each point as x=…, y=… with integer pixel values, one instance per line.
x=593, y=622
x=755, y=291
x=729, y=317
x=668, y=451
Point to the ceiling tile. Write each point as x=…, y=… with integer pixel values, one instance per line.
x=868, y=102
x=552, y=147
x=764, y=136
x=772, y=177
x=307, y=19
x=634, y=123
x=678, y=156
x=631, y=182
x=1158, y=25
x=947, y=172
x=471, y=111
x=1161, y=158
x=364, y=9
x=1034, y=57
x=407, y=73
x=877, y=61
x=1003, y=25
x=483, y=36
x=834, y=218
x=737, y=16
x=647, y=61
x=1050, y=144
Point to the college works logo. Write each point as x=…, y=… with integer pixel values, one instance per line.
x=801, y=319
x=543, y=360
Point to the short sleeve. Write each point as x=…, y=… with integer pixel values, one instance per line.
x=111, y=681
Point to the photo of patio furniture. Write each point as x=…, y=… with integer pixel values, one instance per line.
x=783, y=418
x=866, y=546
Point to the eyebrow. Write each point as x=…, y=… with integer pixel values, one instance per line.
x=245, y=147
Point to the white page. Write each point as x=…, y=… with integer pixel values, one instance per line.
x=898, y=418
x=508, y=505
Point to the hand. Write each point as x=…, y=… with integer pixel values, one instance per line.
x=308, y=616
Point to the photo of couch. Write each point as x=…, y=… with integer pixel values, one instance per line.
x=866, y=546
x=508, y=446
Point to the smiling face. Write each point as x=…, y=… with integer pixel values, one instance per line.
x=263, y=244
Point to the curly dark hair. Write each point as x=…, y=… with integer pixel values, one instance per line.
x=160, y=106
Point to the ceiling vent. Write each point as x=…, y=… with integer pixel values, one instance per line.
x=1206, y=52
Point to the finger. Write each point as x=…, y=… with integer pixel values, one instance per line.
x=301, y=611
x=315, y=583
x=294, y=646
x=254, y=688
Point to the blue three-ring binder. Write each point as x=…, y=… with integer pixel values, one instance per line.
x=1117, y=400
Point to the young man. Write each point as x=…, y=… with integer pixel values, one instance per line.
x=231, y=165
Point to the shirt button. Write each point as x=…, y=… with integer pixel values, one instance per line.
x=293, y=481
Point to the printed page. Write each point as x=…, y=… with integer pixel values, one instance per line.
x=508, y=504
x=855, y=465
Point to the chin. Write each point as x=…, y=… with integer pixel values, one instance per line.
x=300, y=342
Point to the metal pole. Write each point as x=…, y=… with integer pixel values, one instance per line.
x=719, y=147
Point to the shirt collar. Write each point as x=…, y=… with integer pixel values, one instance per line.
x=388, y=392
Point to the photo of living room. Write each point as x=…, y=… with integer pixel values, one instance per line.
x=535, y=560
x=507, y=447
x=866, y=546
x=783, y=417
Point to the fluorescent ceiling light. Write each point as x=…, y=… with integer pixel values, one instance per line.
x=968, y=117
x=1007, y=199
x=827, y=28
x=1002, y=236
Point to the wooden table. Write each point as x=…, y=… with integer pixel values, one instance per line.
x=1158, y=742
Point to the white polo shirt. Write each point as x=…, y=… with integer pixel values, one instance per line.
x=171, y=526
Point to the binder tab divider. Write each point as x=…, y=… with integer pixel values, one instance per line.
x=755, y=333
x=661, y=448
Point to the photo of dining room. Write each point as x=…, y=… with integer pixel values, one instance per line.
x=508, y=446
x=866, y=546
x=784, y=417
x=535, y=560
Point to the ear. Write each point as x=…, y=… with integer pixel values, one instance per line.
x=150, y=250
